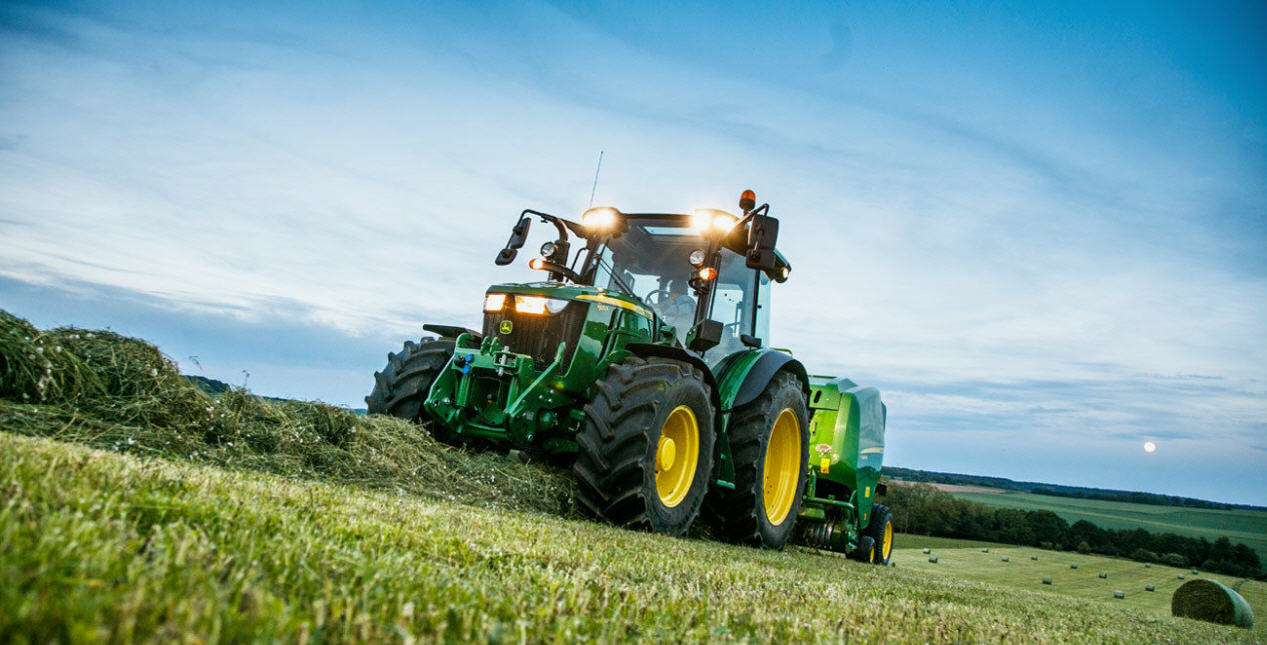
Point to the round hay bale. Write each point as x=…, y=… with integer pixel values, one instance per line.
x=1073, y=565
x=985, y=550
x=1148, y=565
x=1104, y=574
x=1119, y=594
x=1046, y=580
x=1149, y=588
x=1005, y=558
x=1211, y=601
x=1194, y=571
x=1033, y=557
x=933, y=559
x=927, y=550
x=892, y=564
x=1181, y=576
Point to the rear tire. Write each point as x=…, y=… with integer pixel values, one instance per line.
x=645, y=447
x=403, y=385
x=880, y=530
x=769, y=484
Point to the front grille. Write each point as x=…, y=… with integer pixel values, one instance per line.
x=539, y=335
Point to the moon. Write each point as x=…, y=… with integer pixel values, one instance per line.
x=1150, y=446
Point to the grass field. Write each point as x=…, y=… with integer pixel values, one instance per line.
x=1249, y=527
x=964, y=560
x=97, y=545
x=134, y=507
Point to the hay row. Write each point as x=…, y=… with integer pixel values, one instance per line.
x=119, y=393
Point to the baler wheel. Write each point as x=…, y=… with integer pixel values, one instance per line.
x=403, y=385
x=645, y=448
x=769, y=439
x=881, y=531
x=866, y=550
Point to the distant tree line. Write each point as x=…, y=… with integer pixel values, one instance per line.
x=924, y=510
x=1133, y=497
x=1080, y=492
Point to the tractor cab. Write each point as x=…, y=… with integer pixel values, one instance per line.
x=703, y=277
x=659, y=260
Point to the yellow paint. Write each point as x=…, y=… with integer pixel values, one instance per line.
x=677, y=456
x=782, y=468
x=887, y=547
x=866, y=492
x=616, y=302
x=824, y=464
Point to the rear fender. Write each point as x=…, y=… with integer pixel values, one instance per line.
x=746, y=374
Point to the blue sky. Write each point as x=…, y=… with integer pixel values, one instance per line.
x=1040, y=230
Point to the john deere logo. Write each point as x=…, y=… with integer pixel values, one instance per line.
x=506, y=327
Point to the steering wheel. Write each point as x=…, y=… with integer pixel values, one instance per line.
x=664, y=294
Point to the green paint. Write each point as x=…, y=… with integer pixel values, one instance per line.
x=536, y=403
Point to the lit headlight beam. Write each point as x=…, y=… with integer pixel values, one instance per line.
x=538, y=305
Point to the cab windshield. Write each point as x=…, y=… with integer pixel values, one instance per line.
x=651, y=261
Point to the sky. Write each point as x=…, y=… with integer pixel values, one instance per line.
x=1039, y=228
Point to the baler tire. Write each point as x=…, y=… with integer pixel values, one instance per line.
x=865, y=551
x=619, y=445
x=881, y=516
x=740, y=515
x=403, y=385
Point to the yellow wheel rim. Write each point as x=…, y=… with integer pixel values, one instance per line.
x=677, y=455
x=782, y=466
x=888, y=541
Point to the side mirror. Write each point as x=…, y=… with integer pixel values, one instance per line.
x=518, y=236
x=704, y=336
x=763, y=235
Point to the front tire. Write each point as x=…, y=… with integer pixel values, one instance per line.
x=403, y=385
x=645, y=447
x=769, y=439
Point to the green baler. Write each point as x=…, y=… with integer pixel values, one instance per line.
x=642, y=364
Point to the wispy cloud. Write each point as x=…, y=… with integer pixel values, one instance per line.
x=1052, y=271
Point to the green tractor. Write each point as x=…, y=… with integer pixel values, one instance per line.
x=642, y=363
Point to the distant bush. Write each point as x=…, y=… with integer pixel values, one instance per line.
x=1144, y=555
x=1174, y=560
x=1084, y=547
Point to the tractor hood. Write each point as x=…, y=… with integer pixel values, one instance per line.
x=603, y=298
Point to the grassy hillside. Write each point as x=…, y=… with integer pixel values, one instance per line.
x=959, y=560
x=1249, y=527
x=103, y=546
x=136, y=507
x=118, y=393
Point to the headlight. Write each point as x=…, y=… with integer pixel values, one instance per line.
x=548, y=249
x=706, y=220
x=696, y=258
x=539, y=305
x=600, y=218
x=494, y=302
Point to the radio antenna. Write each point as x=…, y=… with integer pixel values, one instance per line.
x=596, y=171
